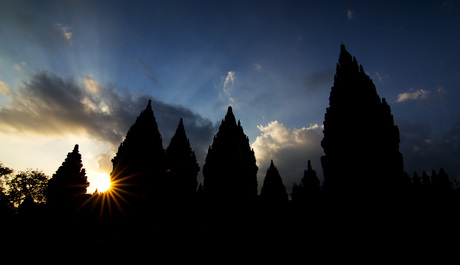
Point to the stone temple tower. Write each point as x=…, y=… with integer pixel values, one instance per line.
x=361, y=141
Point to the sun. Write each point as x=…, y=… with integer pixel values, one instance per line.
x=102, y=182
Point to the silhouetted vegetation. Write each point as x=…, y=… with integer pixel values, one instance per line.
x=155, y=193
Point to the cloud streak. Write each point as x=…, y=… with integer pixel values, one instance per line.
x=148, y=71
x=228, y=86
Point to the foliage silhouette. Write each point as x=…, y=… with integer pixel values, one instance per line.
x=4, y=171
x=230, y=170
x=30, y=184
x=372, y=150
x=6, y=207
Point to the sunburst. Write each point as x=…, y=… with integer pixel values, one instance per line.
x=111, y=196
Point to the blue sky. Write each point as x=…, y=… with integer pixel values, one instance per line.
x=81, y=71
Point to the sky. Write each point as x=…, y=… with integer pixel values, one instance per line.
x=79, y=72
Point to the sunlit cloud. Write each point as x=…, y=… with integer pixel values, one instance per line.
x=20, y=66
x=4, y=88
x=412, y=95
x=92, y=85
x=66, y=32
x=289, y=148
x=73, y=109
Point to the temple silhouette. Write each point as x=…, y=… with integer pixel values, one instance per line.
x=155, y=192
x=370, y=147
x=230, y=170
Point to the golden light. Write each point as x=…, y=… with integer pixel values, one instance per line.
x=102, y=182
x=109, y=196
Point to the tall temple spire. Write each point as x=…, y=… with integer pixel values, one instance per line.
x=139, y=164
x=273, y=191
x=230, y=117
x=230, y=170
x=372, y=150
x=182, y=167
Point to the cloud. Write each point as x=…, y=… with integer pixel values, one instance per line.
x=422, y=149
x=4, y=88
x=34, y=29
x=380, y=77
x=257, y=67
x=229, y=80
x=148, y=71
x=66, y=32
x=104, y=161
x=412, y=95
x=52, y=106
x=320, y=79
x=228, y=86
x=350, y=14
x=428, y=99
x=92, y=85
x=290, y=149
x=20, y=66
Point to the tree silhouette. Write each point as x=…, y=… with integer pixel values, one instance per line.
x=230, y=170
x=30, y=183
x=68, y=185
x=273, y=191
x=6, y=207
x=139, y=165
x=359, y=132
x=181, y=165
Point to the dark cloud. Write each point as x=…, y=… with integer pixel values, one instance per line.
x=199, y=130
x=26, y=25
x=318, y=80
x=424, y=150
x=50, y=105
x=148, y=71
